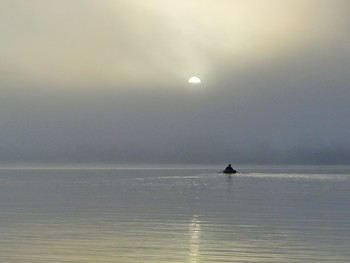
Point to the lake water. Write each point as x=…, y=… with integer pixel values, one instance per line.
x=175, y=215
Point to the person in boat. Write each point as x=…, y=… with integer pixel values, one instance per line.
x=229, y=170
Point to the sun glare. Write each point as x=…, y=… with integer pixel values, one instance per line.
x=194, y=80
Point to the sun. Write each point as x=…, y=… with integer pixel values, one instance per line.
x=194, y=80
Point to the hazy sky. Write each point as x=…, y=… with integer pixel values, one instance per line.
x=106, y=82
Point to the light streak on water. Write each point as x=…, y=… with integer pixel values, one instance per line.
x=195, y=233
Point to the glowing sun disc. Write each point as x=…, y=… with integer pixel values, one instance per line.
x=194, y=80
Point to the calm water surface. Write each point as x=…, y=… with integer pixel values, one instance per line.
x=260, y=215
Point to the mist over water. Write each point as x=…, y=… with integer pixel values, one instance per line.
x=107, y=82
x=88, y=84
x=175, y=215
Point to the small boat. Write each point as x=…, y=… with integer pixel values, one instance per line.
x=229, y=170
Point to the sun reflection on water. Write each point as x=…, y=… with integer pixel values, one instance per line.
x=195, y=233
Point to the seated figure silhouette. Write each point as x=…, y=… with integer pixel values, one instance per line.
x=229, y=170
